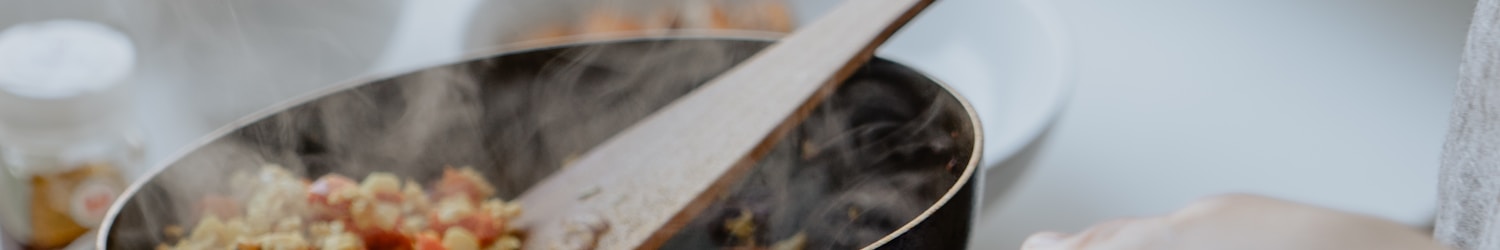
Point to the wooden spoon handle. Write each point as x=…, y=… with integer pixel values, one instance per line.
x=649, y=181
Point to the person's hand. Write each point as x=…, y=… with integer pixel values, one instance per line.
x=1234, y=222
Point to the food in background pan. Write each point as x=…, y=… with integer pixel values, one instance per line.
x=760, y=15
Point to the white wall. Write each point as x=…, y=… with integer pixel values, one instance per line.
x=1340, y=103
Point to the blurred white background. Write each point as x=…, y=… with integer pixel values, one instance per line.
x=1340, y=103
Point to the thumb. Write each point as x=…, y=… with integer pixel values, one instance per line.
x=1045, y=241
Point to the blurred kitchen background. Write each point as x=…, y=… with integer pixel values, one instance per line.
x=1093, y=109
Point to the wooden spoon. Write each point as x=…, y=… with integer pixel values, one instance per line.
x=637, y=189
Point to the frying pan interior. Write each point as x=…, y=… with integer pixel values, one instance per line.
x=887, y=148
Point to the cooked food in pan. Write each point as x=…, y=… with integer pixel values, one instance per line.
x=871, y=166
x=275, y=209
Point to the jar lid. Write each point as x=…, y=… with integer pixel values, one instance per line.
x=61, y=85
x=63, y=58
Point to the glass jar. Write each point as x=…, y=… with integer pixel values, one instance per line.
x=65, y=128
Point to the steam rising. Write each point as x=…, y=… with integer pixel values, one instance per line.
x=885, y=146
x=879, y=152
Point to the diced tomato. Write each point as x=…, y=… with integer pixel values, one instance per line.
x=428, y=241
x=389, y=197
x=219, y=206
x=383, y=239
x=318, y=192
x=434, y=224
x=486, y=228
x=327, y=184
x=454, y=182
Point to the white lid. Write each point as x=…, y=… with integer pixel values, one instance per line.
x=62, y=88
x=63, y=58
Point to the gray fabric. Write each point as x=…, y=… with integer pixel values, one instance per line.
x=1469, y=182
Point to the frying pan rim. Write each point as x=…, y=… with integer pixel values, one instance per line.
x=975, y=156
x=102, y=237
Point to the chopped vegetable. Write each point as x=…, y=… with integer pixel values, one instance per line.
x=335, y=212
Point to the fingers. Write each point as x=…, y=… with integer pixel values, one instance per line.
x=1240, y=222
x=1124, y=234
x=1045, y=241
x=1151, y=233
